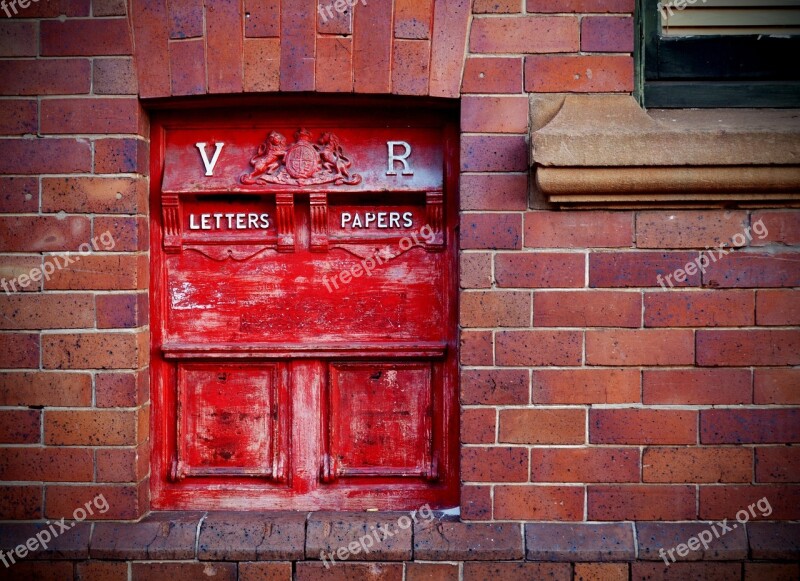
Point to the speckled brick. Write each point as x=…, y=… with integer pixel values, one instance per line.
x=124, y=502
x=579, y=465
x=578, y=229
x=776, y=386
x=478, y=425
x=21, y=502
x=543, y=426
x=540, y=269
x=161, y=536
x=19, y=194
x=753, y=270
x=172, y=571
x=585, y=386
x=260, y=571
x=186, y=19
x=494, y=153
x=412, y=18
x=524, y=34
x=475, y=270
x=128, y=232
x=101, y=571
x=19, y=116
x=121, y=155
x=520, y=502
x=45, y=388
x=715, y=308
x=122, y=311
x=579, y=542
x=92, y=115
x=90, y=427
x=43, y=233
x=638, y=426
x=497, y=571
x=53, y=571
x=37, y=311
x=778, y=464
x=640, y=347
x=45, y=77
x=771, y=571
x=539, y=348
x=47, y=464
x=587, y=309
x=729, y=500
x=774, y=540
x=750, y=426
x=53, y=155
x=683, y=571
x=494, y=386
x=494, y=464
x=313, y=571
x=121, y=389
x=485, y=231
x=641, y=502
x=492, y=75
x=697, y=386
x=476, y=348
x=506, y=191
x=114, y=76
x=639, y=269
x=236, y=536
x=601, y=572
x=778, y=307
x=495, y=309
x=476, y=503
x=354, y=535
x=697, y=464
x=109, y=350
x=775, y=227
x=723, y=546
x=445, y=540
x=85, y=37
x=20, y=426
x=71, y=545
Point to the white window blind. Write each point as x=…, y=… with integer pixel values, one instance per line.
x=703, y=17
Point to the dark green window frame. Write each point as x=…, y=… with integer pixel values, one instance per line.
x=714, y=71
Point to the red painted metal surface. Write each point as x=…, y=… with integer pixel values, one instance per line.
x=304, y=309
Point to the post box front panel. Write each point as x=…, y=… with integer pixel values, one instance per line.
x=304, y=309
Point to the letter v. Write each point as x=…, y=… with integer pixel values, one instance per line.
x=209, y=164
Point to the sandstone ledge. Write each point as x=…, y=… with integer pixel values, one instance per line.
x=595, y=150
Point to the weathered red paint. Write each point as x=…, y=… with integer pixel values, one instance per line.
x=304, y=309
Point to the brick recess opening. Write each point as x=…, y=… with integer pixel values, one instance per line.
x=304, y=311
x=602, y=417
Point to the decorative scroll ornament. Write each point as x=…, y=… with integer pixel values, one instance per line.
x=303, y=163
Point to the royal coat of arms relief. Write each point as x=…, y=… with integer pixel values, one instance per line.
x=302, y=163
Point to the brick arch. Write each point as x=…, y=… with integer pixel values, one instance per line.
x=404, y=47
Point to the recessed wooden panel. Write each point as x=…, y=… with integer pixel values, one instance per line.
x=380, y=419
x=226, y=420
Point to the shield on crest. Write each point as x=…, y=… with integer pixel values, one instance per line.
x=302, y=160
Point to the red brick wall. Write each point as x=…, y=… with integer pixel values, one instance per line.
x=588, y=392
x=73, y=385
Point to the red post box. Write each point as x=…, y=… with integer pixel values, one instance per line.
x=304, y=308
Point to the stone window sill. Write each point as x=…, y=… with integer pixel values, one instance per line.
x=605, y=150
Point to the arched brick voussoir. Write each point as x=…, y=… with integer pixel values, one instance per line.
x=371, y=55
